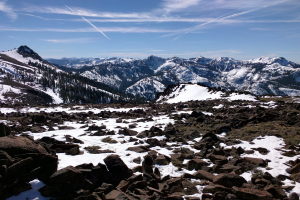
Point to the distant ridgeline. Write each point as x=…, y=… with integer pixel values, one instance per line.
x=26, y=78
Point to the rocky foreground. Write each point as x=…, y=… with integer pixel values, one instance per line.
x=198, y=150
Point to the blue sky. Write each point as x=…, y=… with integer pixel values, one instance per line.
x=138, y=28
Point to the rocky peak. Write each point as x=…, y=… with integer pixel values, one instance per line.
x=154, y=61
x=271, y=60
x=25, y=51
x=281, y=61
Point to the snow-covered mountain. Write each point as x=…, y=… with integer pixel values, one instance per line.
x=195, y=92
x=148, y=87
x=146, y=77
x=78, y=63
x=27, y=78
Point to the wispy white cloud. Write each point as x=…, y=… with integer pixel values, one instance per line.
x=162, y=15
x=44, y=18
x=9, y=11
x=91, y=30
x=70, y=40
x=169, y=6
x=222, y=18
x=77, y=11
x=91, y=24
x=169, y=20
x=238, y=4
x=151, y=19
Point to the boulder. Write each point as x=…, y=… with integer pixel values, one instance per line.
x=201, y=174
x=96, y=128
x=39, y=118
x=251, y=194
x=22, y=161
x=21, y=168
x=189, y=187
x=117, y=195
x=174, y=185
x=97, y=175
x=4, y=130
x=296, y=177
x=229, y=180
x=256, y=161
x=147, y=166
x=196, y=164
x=102, y=133
x=261, y=150
x=175, y=196
x=65, y=182
x=15, y=145
x=93, y=149
x=218, y=159
x=153, y=142
x=73, y=139
x=294, y=169
x=276, y=191
x=127, y=132
x=227, y=168
x=138, y=149
x=117, y=168
x=162, y=160
x=294, y=196
x=137, y=160
x=213, y=188
x=60, y=146
x=207, y=143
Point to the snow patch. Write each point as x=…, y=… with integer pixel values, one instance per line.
x=277, y=165
x=194, y=92
x=56, y=98
x=188, y=92
x=5, y=89
x=244, y=97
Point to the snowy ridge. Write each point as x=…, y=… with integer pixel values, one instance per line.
x=78, y=63
x=194, y=92
x=261, y=76
x=147, y=77
x=112, y=80
x=15, y=54
x=270, y=60
x=28, y=79
x=147, y=87
x=13, y=63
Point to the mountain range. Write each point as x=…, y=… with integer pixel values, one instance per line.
x=25, y=77
x=147, y=77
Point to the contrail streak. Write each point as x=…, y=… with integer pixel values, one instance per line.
x=217, y=20
x=90, y=23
